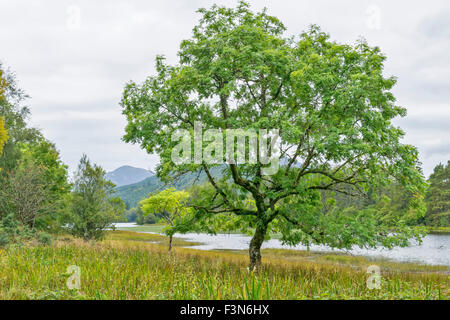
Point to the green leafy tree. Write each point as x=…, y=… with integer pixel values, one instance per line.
x=171, y=206
x=438, y=197
x=25, y=194
x=45, y=154
x=15, y=116
x=94, y=206
x=35, y=189
x=333, y=108
x=54, y=174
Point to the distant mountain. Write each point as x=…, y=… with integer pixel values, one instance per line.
x=128, y=175
x=133, y=193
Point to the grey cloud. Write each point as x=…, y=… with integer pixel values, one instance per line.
x=437, y=26
x=425, y=124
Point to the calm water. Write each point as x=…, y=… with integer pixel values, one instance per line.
x=434, y=250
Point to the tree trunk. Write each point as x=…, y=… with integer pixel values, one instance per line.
x=255, y=248
x=170, y=243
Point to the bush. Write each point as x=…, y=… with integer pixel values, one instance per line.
x=4, y=239
x=94, y=207
x=11, y=232
x=44, y=238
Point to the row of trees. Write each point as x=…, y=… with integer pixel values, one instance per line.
x=36, y=196
x=392, y=203
x=438, y=197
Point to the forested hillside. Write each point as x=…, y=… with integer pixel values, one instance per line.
x=132, y=194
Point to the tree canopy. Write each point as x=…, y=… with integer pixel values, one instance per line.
x=331, y=103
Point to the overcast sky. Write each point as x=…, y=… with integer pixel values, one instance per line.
x=74, y=57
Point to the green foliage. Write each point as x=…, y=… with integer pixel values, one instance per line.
x=13, y=233
x=392, y=204
x=142, y=219
x=136, y=215
x=171, y=206
x=9, y=230
x=44, y=238
x=15, y=116
x=4, y=239
x=93, y=207
x=132, y=194
x=438, y=197
x=36, y=188
x=131, y=215
x=331, y=102
x=25, y=194
x=54, y=176
x=45, y=154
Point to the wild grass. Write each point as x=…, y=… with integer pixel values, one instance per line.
x=150, y=238
x=439, y=230
x=127, y=266
x=359, y=262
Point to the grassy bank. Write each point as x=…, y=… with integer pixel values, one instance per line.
x=157, y=228
x=439, y=230
x=127, y=266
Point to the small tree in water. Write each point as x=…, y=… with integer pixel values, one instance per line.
x=171, y=205
x=94, y=207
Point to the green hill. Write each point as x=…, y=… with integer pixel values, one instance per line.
x=133, y=193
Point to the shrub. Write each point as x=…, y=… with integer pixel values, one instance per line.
x=44, y=238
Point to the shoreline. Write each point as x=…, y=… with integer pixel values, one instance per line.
x=199, y=245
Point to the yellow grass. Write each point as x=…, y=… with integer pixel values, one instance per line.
x=127, y=266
